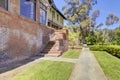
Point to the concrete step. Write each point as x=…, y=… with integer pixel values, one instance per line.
x=49, y=48
x=50, y=55
x=50, y=51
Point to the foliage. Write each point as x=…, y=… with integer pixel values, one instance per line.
x=77, y=12
x=112, y=49
x=46, y=70
x=73, y=35
x=106, y=35
x=99, y=36
x=71, y=54
x=98, y=47
x=116, y=38
x=109, y=64
x=72, y=38
x=90, y=40
x=111, y=19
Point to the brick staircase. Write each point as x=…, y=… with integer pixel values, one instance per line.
x=51, y=50
x=57, y=45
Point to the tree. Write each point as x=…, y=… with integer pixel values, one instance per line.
x=116, y=38
x=90, y=40
x=77, y=12
x=110, y=20
x=99, y=36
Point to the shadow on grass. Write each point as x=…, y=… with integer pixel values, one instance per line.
x=13, y=65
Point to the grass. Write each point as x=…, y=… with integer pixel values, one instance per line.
x=71, y=54
x=75, y=47
x=46, y=70
x=109, y=64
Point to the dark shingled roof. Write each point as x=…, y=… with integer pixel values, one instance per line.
x=54, y=6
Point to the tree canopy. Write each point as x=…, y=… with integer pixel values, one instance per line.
x=78, y=13
x=111, y=19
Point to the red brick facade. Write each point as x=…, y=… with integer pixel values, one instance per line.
x=21, y=37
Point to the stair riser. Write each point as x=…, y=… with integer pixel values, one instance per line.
x=52, y=53
x=50, y=49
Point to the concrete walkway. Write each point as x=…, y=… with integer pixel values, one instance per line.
x=87, y=68
x=61, y=59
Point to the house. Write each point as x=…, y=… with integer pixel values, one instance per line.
x=50, y=15
x=55, y=17
x=24, y=30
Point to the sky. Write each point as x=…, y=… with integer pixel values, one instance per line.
x=105, y=6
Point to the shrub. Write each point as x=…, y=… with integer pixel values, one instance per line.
x=97, y=47
x=112, y=49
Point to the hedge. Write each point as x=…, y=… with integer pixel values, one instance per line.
x=112, y=49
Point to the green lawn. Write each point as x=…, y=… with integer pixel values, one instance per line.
x=109, y=64
x=46, y=70
x=71, y=54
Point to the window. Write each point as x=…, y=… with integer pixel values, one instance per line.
x=43, y=16
x=43, y=13
x=61, y=21
x=53, y=14
x=28, y=9
x=50, y=10
x=4, y=4
x=58, y=17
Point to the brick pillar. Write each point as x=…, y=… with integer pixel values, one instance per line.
x=14, y=6
x=57, y=44
x=38, y=11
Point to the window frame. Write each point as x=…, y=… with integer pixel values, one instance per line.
x=5, y=5
x=53, y=14
x=35, y=8
x=44, y=8
x=57, y=17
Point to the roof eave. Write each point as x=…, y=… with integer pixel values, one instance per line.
x=54, y=6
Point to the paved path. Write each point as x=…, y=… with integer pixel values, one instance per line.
x=87, y=68
x=61, y=59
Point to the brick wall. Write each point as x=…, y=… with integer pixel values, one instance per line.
x=20, y=37
x=62, y=40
